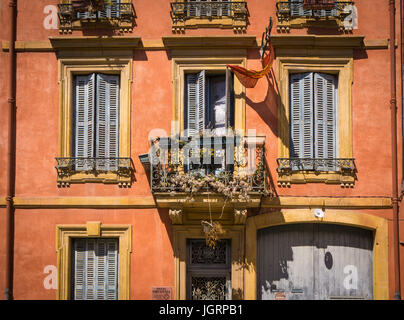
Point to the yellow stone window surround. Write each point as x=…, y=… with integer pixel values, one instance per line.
x=68, y=68
x=92, y=229
x=343, y=68
x=182, y=66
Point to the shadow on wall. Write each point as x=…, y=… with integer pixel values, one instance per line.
x=268, y=108
x=268, y=111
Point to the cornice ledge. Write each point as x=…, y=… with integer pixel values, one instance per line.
x=193, y=42
x=313, y=41
x=95, y=42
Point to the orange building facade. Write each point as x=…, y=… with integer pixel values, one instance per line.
x=321, y=193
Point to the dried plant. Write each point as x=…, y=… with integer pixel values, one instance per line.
x=213, y=230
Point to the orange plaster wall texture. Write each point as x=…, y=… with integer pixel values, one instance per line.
x=152, y=262
x=151, y=259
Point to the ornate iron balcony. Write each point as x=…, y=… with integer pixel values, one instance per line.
x=342, y=165
x=288, y=11
x=66, y=168
x=224, y=159
x=208, y=9
x=119, y=15
x=181, y=12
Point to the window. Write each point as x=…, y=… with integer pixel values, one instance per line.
x=313, y=112
x=94, y=269
x=96, y=125
x=95, y=120
x=209, y=102
x=209, y=107
x=315, y=120
x=93, y=261
x=209, y=270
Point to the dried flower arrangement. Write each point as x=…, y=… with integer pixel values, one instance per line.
x=237, y=187
x=231, y=187
x=213, y=230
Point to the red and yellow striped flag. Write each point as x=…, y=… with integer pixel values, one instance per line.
x=249, y=78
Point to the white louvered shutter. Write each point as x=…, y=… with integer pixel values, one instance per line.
x=201, y=100
x=325, y=97
x=192, y=104
x=84, y=120
x=107, y=143
x=301, y=117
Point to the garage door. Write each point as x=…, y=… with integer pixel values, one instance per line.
x=314, y=261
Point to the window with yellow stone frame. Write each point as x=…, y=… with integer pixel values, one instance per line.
x=121, y=172
x=342, y=69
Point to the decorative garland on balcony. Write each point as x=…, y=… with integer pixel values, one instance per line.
x=192, y=184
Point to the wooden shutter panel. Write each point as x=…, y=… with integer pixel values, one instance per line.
x=191, y=99
x=296, y=9
x=201, y=94
x=112, y=275
x=325, y=117
x=95, y=269
x=80, y=267
x=192, y=8
x=111, y=10
x=84, y=119
x=101, y=269
x=91, y=272
x=229, y=117
x=107, y=121
x=226, y=8
x=229, y=98
x=203, y=11
x=301, y=117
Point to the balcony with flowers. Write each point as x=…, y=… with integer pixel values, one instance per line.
x=207, y=171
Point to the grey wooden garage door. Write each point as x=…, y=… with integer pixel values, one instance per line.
x=314, y=261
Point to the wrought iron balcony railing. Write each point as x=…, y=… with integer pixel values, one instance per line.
x=223, y=159
x=343, y=165
x=287, y=11
x=116, y=14
x=204, y=9
x=296, y=9
x=69, y=166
